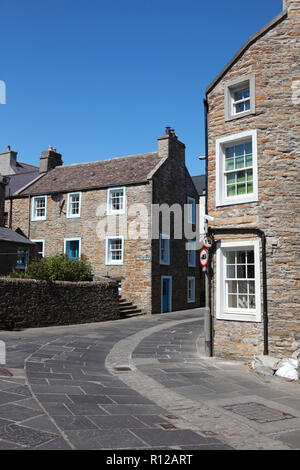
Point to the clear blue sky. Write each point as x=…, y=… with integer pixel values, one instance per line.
x=102, y=78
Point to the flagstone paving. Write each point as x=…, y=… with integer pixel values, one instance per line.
x=139, y=383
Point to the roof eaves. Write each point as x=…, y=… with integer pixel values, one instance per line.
x=247, y=44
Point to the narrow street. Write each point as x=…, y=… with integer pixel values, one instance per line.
x=138, y=383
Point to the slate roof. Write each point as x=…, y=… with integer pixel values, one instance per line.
x=8, y=235
x=25, y=174
x=91, y=175
x=200, y=184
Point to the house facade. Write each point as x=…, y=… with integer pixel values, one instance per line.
x=253, y=114
x=105, y=210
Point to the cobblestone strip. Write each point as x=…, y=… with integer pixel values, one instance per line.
x=191, y=415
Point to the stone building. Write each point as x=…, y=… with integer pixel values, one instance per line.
x=15, y=249
x=105, y=210
x=253, y=143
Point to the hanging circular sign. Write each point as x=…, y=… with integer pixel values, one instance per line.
x=204, y=256
x=208, y=241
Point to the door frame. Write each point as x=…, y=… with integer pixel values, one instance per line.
x=170, y=292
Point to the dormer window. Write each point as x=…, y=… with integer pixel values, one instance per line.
x=240, y=98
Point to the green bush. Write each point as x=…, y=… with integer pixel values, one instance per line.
x=57, y=268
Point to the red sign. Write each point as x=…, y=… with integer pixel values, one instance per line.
x=204, y=257
x=208, y=241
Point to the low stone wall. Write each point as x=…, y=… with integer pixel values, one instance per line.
x=28, y=303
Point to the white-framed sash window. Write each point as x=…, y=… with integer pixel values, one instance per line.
x=236, y=169
x=116, y=200
x=39, y=208
x=115, y=250
x=238, y=280
x=74, y=205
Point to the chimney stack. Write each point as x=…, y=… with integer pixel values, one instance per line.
x=8, y=162
x=49, y=160
x=169, y=146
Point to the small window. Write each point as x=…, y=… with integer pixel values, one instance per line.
x=116, y=200
x=114, y=250
x=191, y=210
x=22, y=258
x=74, y=205
x=39, y=208
x=191, y=289
x=236, y=169
x=164, y=249
x=240, y=98
x=191, y=252
x=39, y=248
x=73, y=248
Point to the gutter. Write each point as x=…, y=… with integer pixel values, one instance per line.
x=261, y=234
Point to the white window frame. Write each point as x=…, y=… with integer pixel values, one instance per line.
x=163, y=236
x=33, y=212
x=222, y=312
x=108, y=261
x=191, y=214
x=230, y=88
x=170, y=292
x=43, y=250
x=221, y=144
x=111, y=211
x=191, y=299
x=73, y=239
x=191, y=263
x=69, y=205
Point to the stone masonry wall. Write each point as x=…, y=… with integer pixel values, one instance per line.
x=27, y=303
x=274, y=59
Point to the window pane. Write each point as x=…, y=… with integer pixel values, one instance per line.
x=242, y=286
x=242, y=301
x=248, y=148
x=232, y=287
x=251, y=301
x=250, y=256
x=239, y=150
x=251, y=287
x=230, y=257
x=247, y=105
x=241, y=257
x=241, y=272
x=239, y=162
x=250, y=272
x=246, y=93
x=248, y=161
x=249, y=188
x=230, y=272
x=229, y=152
x=241, y=176
x=241, y=189
x=232, y=301
x=231, y=190
x=229, y=164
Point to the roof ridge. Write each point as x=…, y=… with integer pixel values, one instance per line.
x=107, y=159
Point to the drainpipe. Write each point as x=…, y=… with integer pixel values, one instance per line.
x=206, y=270
x=29, y=206
x=261, y=234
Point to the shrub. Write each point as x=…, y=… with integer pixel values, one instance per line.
x=58, y=268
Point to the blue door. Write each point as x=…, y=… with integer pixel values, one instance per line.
x=72, y=249
x=166, y=291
